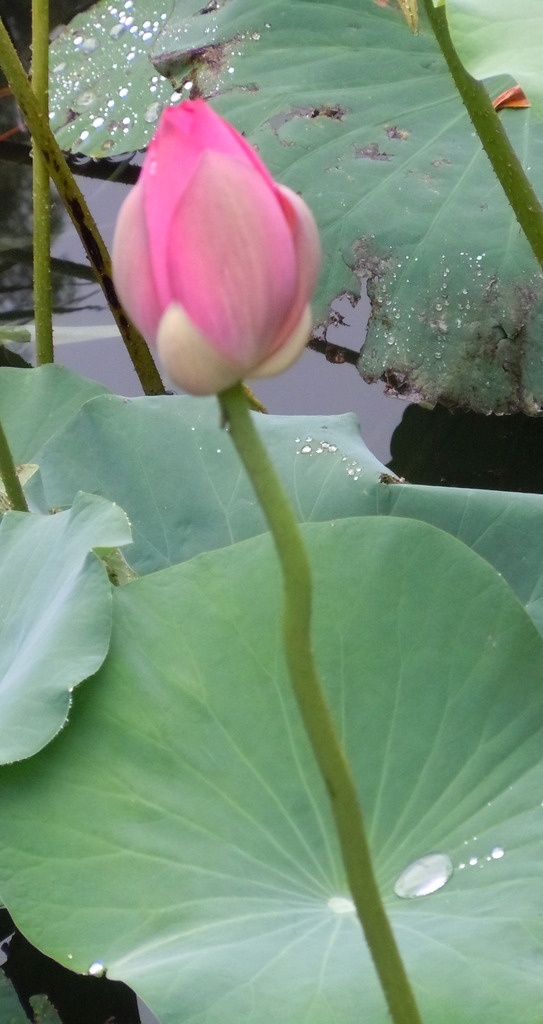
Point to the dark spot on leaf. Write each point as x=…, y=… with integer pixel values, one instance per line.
x=335, y=112
x=368, y=264
x=213, y=5
x=393, y=132
x=336, y=319
x=200, y=65
x=397, y=383
x=278, y=120
x=388, y=478
x=370, y=152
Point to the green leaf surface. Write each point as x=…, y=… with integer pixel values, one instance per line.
x=44, y=1012
x=101, y=73
x=185, y=840
x=35, y=403
x=501, y=37
x=349, y=108
x=168, y=463
x=55, y=615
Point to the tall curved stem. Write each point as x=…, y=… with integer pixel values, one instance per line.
x=314, y=709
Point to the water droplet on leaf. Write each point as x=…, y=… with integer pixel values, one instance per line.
x=341, y=905
x=424, y=876
x=97, y=969
x=86, y=98
x=152, y=112
x=89, y=45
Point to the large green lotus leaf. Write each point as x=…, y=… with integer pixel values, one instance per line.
x=349, y=108
x=169, y=464
x=36, y=403
x=103, y=81
x=493, y=38
x=174, y=470
x=55, y=615
x=185, y=841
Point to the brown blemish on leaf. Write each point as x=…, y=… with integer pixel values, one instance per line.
x=389, y=478
x=213, y=5
x=201, y=65
x=392, y=131
x=367, y=263
x=335, y=112
x=370, y=152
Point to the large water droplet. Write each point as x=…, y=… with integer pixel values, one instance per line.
x=86, y=98
x=152, y=112
x=425, y=875
x=89, y=45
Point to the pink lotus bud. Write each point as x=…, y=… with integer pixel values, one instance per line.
x=213, y=260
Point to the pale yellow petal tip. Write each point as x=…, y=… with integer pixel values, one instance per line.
x=189, y=359
x=289, y=351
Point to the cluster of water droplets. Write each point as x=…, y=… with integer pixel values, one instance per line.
x=446, y=311
x=116, y=42
x=205, y=32
x=309, y=446
x=429, y=873
x=478, y=860
x=85, y=77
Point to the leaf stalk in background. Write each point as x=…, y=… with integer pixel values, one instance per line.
x=505, y=162
x=75, y=203
x=41, y=203
x=8, y=473
x=314, y=709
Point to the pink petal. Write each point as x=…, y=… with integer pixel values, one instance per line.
x=132, y=272
x=230, y=259
x=184, y=135
x=289, y=351
x=307, y=248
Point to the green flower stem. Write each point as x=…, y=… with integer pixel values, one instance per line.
x=314, y=708
x=41, y=204
x=488, y=125
x=74, y=201
x=8, y=473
